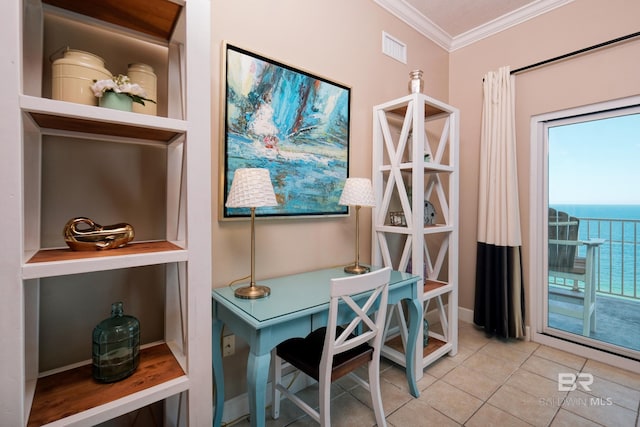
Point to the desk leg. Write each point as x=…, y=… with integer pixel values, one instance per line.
x=415, y=318
x=218, y=373
x=257, y=376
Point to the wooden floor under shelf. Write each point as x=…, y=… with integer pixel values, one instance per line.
x=70, y=392
x=434, y=344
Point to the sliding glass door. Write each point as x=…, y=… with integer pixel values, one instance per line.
x=591, y=289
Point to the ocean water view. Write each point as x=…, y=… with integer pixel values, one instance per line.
x=618, y=268
x=600, y=211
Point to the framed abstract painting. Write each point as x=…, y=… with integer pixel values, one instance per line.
x=291, y=122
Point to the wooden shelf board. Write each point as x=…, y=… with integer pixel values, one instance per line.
x=75, y=124
x=71, y=392
x=437, y=168
x=434, y=344
x=407, y=168
x=437, y=228
x=66, y=254
x=432, y=285
x=428, y=111
x=403, y=229
x=154, y=17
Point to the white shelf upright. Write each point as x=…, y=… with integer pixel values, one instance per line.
x=173, y=35
x=415, y=222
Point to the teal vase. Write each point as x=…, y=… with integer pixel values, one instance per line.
x=116, y=101
x=116, y=346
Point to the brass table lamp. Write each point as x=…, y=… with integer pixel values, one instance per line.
x=357, y=192
x=251, y=188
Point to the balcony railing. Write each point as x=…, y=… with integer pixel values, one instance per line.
x=618, y=267
x=617, y=262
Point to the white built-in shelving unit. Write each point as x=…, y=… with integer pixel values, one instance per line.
x=415, y=161
x=175, y=370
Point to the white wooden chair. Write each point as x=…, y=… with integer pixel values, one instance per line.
x=330, y=353
x=564, y=263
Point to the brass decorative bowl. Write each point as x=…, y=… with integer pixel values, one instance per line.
x=83, y=234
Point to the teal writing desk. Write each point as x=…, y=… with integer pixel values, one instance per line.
x=297, y=305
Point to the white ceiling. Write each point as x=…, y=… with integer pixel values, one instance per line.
x=456, y=23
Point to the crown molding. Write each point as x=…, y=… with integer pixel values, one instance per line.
x=412, y=17
x=506, y=21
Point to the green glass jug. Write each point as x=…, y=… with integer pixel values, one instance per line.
x=116, y=346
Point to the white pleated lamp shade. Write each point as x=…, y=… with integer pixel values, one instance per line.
x=357, y=192
x=251, y=188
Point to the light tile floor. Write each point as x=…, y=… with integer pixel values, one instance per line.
x=490, y=382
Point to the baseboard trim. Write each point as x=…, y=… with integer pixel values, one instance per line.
x=238, y=407
x=465, y=314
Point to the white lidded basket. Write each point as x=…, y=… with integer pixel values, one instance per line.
x=73, y=75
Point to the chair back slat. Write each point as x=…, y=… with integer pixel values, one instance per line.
x=368, y=320
x=562, y=228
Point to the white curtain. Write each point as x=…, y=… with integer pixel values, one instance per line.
x=499, y=300
x=498, y=211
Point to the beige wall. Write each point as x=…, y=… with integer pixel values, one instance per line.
x=339, y=40
x=601, y=75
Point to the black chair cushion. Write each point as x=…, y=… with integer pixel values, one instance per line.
x=305, y=354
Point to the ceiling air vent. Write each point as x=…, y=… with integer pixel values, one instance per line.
x=394, y=48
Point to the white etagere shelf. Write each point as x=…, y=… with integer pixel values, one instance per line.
x=177, y=369
x=63, y=261
x=416, y=147
x=120, y=401
x=168, y=380
x=68, y=118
